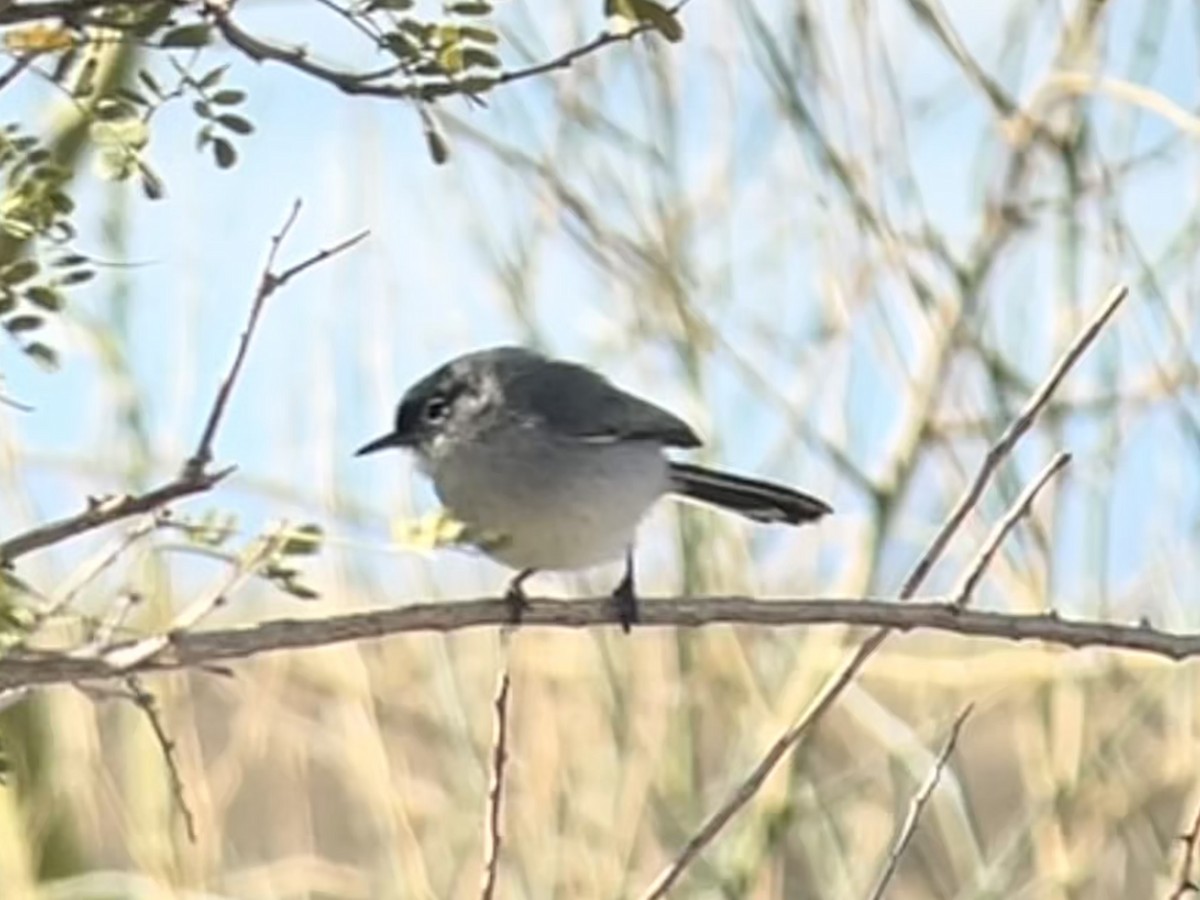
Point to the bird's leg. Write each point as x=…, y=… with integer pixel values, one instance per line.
x=625, y=597
x=515, y=596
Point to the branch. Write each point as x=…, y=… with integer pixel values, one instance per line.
x=837, y=683
x=194, y=477
x=1184, y=883
x=917, y=806
x=1020, y=509
x=193, y=649
x=491, y=836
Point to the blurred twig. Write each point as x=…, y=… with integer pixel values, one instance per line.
x=917, y=806
x=1185, y=884
x=194, y=477
x=839, y=681
x=495, y=793
x=144, y=700
x=1020, y=509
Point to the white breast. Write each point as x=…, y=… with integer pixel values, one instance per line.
x=550, y=503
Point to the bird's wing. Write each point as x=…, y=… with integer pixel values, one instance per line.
x=575, y=401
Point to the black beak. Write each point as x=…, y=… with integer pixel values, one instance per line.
x=395, y=439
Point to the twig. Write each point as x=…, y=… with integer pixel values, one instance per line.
x=495, y=793
x=194, y=477
x=1184, y=883
x=917, y=805
x=366, y=83
x=19, y=65
x=126, y=657
x=844, y=676
x=144, y=700
x=1020, y=509
x=268, y=283
x=207, y=648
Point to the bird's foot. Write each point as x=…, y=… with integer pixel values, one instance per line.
x=515, y=597
x=626, y=602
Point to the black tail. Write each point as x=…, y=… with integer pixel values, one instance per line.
x=758, y=500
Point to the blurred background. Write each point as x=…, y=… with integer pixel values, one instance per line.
x=844, y=241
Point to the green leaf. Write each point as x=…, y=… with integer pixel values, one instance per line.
x=71, y=259
x=8, y=301
x=202, y=109
x=21, y=270
x=211, y=78
x=469, y=9
x=150, y=82
x=304, y=540
x=46, y=297
x=223, y=152
x=228, y=97
x=78, y=276
x=393, y=5
x=43, y=355
x=187, y=36
x=480, y=35
x=156, y=17
x=660, y=17
x=236, y=124
x=19, y=324
x=473, y=56
x=152, y=186
x=298, y=590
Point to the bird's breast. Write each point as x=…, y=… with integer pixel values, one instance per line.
x=549, y=502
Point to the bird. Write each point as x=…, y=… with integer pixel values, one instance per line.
x=552, y=467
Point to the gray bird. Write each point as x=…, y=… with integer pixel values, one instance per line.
x=555, y=466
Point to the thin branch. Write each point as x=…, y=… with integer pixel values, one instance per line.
x=1020, y=509
x=495, y=794
x=837, y=683
x=917, y=805
x=129, y=656
x=268, y=283
x=205, y=648
x=1185, y=884
x=194, y=477
x=144, y=700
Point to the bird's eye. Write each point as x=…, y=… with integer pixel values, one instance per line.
x=436, y=409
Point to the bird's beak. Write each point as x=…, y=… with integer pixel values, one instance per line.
x=394, y=439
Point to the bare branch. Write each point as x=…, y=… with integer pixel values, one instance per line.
x=1185, y=884
x=144, y=700
x=1020, y=509
x=205, y=648
x=268, y=283
x=495, y=794
x=194, y=477
x=843, y=677
x=917, y=805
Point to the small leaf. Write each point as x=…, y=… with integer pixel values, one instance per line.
x=228, y=97
x=187, y=36
x=46, y=297
x=473, y=56
x=298, y=590
x=223, y=152
x=150, y=82
x=469, y=9
x=236, y=124
x=202, y=109
x=78, y=276
x=8, y=302
x=156, y=17
x=304, y=540
x=660, y=17
x=19, y=324
x=71, y=259
x=393, y=5
x=211, y=78
x=21, y=270
x=152, y=186
x=43, y=355
x=480, y=35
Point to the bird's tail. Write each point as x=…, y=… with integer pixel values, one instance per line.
x=758, y=500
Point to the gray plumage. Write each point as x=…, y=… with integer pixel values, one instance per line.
x=553, y=466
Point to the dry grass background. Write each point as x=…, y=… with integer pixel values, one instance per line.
x=781, y=255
